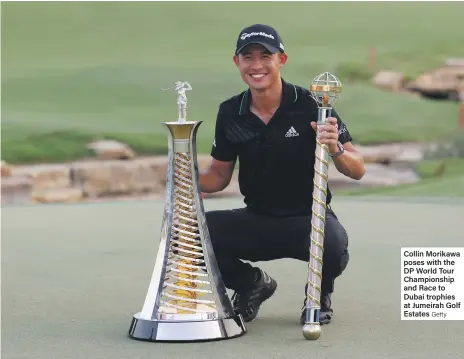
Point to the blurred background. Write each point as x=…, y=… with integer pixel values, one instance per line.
x=82, y=81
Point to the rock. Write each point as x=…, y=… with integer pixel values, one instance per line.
x=49, y=183
x=145, y=177
x=111, y=150
x=393, y=153
x=46, y=176
x=441, y=83
x=6, y=169
x=389, y=80
x=57, y=195
x=454, y=62
x=376, y=175
x=16, y=189
x=111, y=178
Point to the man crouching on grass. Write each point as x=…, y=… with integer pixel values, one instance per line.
x=271, y=129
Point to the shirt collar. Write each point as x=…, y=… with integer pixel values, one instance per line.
x=289, y=96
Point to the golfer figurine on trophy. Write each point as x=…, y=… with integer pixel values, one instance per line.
x=181, y=87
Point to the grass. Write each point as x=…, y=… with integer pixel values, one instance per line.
x=436, y=181
x=65, y=145
x=76, y=71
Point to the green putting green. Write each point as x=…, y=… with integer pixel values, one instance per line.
x=73, y=276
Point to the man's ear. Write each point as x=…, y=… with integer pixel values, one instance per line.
x=283, y=59
x=235, y=58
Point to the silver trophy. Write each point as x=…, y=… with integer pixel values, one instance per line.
x=325, y=90
x=186, y=299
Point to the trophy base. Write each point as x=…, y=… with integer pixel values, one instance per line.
x=186, y=331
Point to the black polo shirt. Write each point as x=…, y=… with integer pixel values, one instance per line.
x=276, y=161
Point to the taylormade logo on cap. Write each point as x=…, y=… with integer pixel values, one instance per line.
x=246, y=35
x=260, y=34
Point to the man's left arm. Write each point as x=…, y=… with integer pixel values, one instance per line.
x=346, y=159
x=350, y=162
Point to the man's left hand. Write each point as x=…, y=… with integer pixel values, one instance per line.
x=328, y=133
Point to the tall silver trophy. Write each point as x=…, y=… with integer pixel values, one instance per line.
x=186, y=299
x=325, y=90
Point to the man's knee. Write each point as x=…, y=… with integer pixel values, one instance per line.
x=222, y=226
x=224, y=218
x=212, y=218
x=214, y=223
x=335, y=244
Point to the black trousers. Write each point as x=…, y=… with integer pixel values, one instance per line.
x=239, y=234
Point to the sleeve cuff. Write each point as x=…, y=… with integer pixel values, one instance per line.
x=223, y=157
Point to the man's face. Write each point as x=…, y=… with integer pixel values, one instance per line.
x=259, y=68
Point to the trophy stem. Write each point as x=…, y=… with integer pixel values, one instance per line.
x=182, y=113
x=312, y=328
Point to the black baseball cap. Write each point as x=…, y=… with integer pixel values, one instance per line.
x=260, y=34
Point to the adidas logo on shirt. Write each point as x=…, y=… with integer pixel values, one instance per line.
x=291, y=133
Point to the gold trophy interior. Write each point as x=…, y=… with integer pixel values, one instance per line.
x=186, y=280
